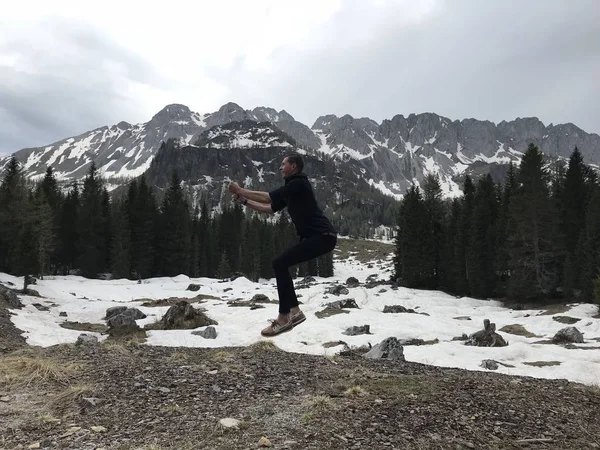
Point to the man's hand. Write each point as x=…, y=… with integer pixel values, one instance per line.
x=240, y=199
x=234, y=187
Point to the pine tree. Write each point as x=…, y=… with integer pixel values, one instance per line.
x=482, y=240
x=432, y=230
x=143, y=219
x=461, y=241
x=68, y=234
x=175, y=232
x=572, y=218
x=224, y=268
x=91, y=226
x=590, y=264
x=450, y=263
x=121, y=243
x=409, y=268
x=44, y=231
x=534, y=235
x=502, y=262
x=14, y=210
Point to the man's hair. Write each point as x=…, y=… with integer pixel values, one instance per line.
x=295, y=158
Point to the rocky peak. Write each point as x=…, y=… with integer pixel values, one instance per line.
x=229, y=112
x=265, y=114
x=171, y=113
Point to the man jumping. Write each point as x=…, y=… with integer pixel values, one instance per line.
x=317, y=234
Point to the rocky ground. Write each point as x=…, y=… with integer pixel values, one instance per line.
x=123, y=395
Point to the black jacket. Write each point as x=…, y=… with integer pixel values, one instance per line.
x=298, y=196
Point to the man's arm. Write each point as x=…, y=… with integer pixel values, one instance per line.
x=257, y=206
x=257, y=196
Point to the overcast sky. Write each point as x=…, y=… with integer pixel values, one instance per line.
x=67, y=67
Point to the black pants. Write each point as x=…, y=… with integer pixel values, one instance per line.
x=305, y=250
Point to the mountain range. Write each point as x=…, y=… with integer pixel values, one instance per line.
x=389, y=156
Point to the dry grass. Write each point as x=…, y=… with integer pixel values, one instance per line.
x=355, y=391
x=518, y=330
x=263, y=346
x=28, y=370
x=70, y=397
x=85, y=326
x=542, y=363
x=179, y=356
x=363, y=251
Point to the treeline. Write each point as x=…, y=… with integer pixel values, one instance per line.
x=534, y=237
x=85, y=231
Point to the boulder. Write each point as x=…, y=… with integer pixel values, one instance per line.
x=568, y=335
x=208, y=333
x=10, y=298
x=357, y=330
x=489, y=364
x=114, y=311
x=193, y=287
x=486, y=337
x=134, y=313
x=345, y=303
x=338, y=289
x=390, y=349
x=397, y=309
x=260, y=298
x=86, y=340
x=183, y=316
x=352, y=282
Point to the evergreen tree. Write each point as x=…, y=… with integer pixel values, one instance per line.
x=573, y=201
x=482, y=241
x=590, y=263
x=461, y=241
x=14, y=210
x=143, y=220
x=224, y=269
x=450, y=263
x=175, y=232
x=502, y=262
x=68, y=234
x=432, y=230
x=121, y=243
x=44, y=233
x=534, y=235
x=91, y=226
x=409, y=268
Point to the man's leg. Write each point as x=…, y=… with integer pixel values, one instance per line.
x=305, y=250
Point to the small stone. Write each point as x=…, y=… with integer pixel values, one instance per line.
x=229, y=422
x=62, y=314
x=74, y=429
x=36, y=445
x=264, y=442
x=164, y=390
x=5, y=399
x=212, y=372
x=98, y=429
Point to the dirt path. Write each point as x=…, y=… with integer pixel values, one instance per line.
x=128, y=396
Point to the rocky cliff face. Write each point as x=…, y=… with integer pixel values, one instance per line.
x=389, y=156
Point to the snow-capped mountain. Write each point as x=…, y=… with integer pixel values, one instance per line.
x=389, y=156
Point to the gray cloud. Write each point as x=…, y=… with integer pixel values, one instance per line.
x=468, y=58
x=73, y=82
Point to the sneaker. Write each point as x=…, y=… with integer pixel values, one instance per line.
x=276, y=328
x=297, y=319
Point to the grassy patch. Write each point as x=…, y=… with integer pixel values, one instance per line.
x=15, y=370
x=542, y=363
x=363, y=251
x=554, y=309
x=179, y=356
x=566, y=319
x=69, y=397
x=518, y=329
x=355, y=391
x=263, y=346
x=174, y=300
x=402, y=385
x=85, y=326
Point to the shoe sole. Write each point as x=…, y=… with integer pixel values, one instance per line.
x=291, y=327
x=299, y=321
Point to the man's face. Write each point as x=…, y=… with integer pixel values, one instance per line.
x=286, y=168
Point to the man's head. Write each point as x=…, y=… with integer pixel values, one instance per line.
x=291, y=164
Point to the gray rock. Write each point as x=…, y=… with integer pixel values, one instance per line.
x=568, y=335
x=62, y=314
x=86, y=340
x=134, y=313
x=193, y=287
x=397, y=309
x=340, y=304
x=486, y=337
x=357, y=330
x=121, y=320
x=208, y=333
x=390, y=349
x=462, y=318
x=183, y=316
x=114, y=311
x=489, y=364
x=338, y=290
x=10, y=298
x=260, y=298
x=413, y=341
x=352, y=282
